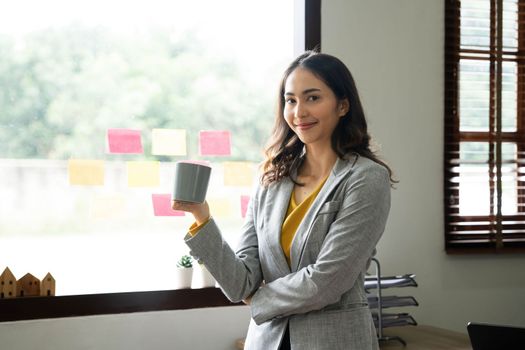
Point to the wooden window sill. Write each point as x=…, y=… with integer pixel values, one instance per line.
x=31, y=308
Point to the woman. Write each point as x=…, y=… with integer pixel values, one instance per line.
x=312, y=224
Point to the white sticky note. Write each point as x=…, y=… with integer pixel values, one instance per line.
x=168, y=142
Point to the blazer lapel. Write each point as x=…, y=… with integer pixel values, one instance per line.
x=340, y=169
x=278, y=199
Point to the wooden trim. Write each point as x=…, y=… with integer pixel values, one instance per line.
x=30, y=308
x=312, y=20
x=451, y=144
x=484, y=250
x=497, y=233
x=520, y=101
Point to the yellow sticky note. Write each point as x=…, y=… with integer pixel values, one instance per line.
x=108, y=207
x=86, y=172
x=143, y=174
x=220, y=207
x=238, y=173
x=168, y=142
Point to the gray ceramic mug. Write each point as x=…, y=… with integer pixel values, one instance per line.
x=191, y=182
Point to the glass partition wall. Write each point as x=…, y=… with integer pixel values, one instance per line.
x=99, y=100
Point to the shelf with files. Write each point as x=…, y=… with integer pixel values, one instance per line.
x=407, y=280
x=374, y=285
x=392, y=301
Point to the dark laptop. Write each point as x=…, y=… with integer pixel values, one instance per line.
x=484, y=336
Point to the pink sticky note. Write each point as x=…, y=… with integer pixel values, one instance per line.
x=162, y=206
x=215, y=143
x=124, y=141
x=244, y=205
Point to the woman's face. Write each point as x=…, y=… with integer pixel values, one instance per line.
x=311, y=109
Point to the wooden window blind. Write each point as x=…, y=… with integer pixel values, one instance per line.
x=484, y=162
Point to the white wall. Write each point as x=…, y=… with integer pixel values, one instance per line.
x=202, y=329
x=395, y=50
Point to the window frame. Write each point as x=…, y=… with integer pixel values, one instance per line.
x=496, y=232
x=30, y=308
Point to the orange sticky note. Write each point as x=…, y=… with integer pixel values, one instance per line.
x=245, y=200
x=214, y=143
x=162, y=206
x=238, y=174
x=124, y=141
x=221, y=207
x=143, y=173
x=86, y=172
x=168, y=142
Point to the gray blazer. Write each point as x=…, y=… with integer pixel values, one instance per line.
x=321, y=295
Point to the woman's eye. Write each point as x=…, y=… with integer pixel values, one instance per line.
x=313, y=98
x=289, y=100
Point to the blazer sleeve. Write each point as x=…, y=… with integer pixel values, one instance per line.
x=348, y=244
x=238, y=273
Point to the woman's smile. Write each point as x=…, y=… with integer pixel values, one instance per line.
x=305, y=125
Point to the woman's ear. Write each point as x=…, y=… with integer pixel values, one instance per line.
x=344, y=107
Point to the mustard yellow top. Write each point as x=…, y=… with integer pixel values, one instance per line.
x=194, y=228
x=294, y=216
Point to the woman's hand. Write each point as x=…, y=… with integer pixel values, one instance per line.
x=200, y=211
x=248, y=300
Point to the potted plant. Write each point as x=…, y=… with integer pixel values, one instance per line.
x=184, y=272
x=202, y=278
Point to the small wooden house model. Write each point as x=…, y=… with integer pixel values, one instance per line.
x=28, y=286
x=7, y=284
x=47, y=286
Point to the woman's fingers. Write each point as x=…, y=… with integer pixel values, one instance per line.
x=184, y=206
x=200, y=211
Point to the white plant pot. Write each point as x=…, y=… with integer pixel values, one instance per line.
x=202, y=278
x=183, y=277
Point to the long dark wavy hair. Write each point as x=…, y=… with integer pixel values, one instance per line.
x=284, y=149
